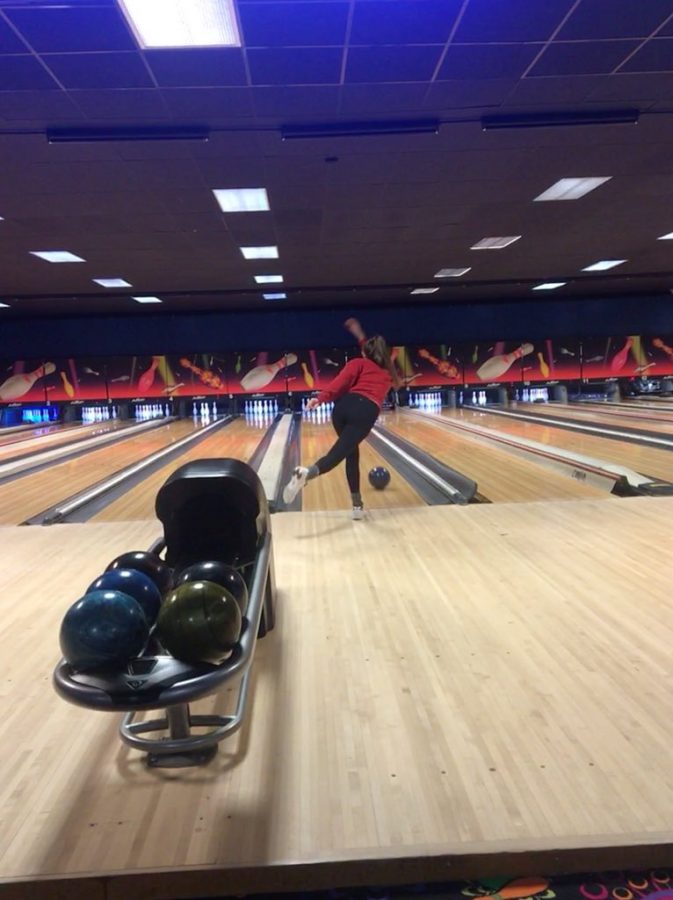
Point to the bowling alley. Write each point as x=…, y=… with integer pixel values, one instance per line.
x=336, y=449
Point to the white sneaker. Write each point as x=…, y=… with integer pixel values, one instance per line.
x=295, y=484
x=358, y=513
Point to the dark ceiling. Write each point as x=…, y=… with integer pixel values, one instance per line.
x=359, y=219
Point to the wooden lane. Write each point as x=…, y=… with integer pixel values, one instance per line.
x=25, y=434
x=416, y=710
x=661, y=424
x=238, y=440
x=647, y=460
x=500, y=476
x=58, y=439
x=330, y=491
x=27, y=496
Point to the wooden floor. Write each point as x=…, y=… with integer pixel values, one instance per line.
x=449, y=692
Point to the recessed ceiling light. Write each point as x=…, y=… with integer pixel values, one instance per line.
x=572, y=188
x=451, y=273
x=182, y=23
x=666, y=237
x=549, y=285
x=2, y=219
x=147, y=299
x=57, y=256
x=269, y=279
x=260, y=252
x=603, y=265
x=112, y=282
x=4, y=305
x=495, y=243
x=242, y=200
x=275, y=296
x=425, y=290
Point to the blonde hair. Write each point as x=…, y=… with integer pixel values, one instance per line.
x=376, y=349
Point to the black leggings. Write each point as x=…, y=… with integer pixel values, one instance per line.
x=353, y=418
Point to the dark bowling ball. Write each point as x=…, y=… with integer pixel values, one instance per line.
x=199, y=622
x=134, y=583
x=219, y=573
x=103, y=629
x=147, y=563
x=379, y=477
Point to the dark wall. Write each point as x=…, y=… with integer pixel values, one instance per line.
x=287, y=329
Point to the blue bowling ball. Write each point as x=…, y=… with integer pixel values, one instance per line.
x=134, y=583
x=103, y=630
x=379, y=477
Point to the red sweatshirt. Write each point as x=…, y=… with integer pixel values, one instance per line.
x=359, y=376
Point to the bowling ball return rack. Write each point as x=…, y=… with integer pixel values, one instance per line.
x=228, y=496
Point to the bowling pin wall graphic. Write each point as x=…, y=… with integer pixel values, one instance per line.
x=146, y=380
x=544, y=368
x=260, y=376
x=308, y=378
x=18, y=385
x=67, y=387
x=619, y=359
x=498, y=365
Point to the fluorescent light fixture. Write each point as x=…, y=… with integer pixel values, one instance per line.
x=572, y=188
x=242, y=199
x=275, y=296
x=561, y=119
x=269, y=279
x=425, y=290
x=260, y=252
x=147, y=299
x=182, y=23
x=664, y=237
x=549, y=285
x=56, y=256
x=451, y=273
x=604, y=265
x=4, y=305
x=495, y=243
x=112, y=282
x=366, y=128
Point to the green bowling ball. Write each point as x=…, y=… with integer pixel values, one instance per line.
x=199, y=621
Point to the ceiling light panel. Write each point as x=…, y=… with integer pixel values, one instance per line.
x=495, y=243
x=572, y=188
x=425, y=290
x=603, y=265
x=112, y=282
x=269, y=279
x=452, y=273
x=275, y=296
x=147, y=299
x=182, y=23
x=549, y=285
x=242, y=199
x=57, y=256
x=260, y=252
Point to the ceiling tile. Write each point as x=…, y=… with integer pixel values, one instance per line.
x=510, y=20
x=211, y=103
x=655, y=56
x=294, y=24
x=197, y=68
x=303, y=65
x=99, y=70
x=71, y=28
x=391, y=64
x=382, y=98
x=121, y=105
x=615, y=19
x=24, y=73
x=299, y=102
x=487, y=61
x=583, y=58
x=403, y=22
x=9, y=42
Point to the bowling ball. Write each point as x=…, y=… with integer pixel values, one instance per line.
x=379, y=477
x=199, y=622
x=147, y=563
x=134, y=583
x=219, y=573
x=103, y=629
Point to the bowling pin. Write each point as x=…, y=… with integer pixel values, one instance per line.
x=308, y=378
x=260, y=376
x=498, y=365
x=544, y=368
x=19, y=385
